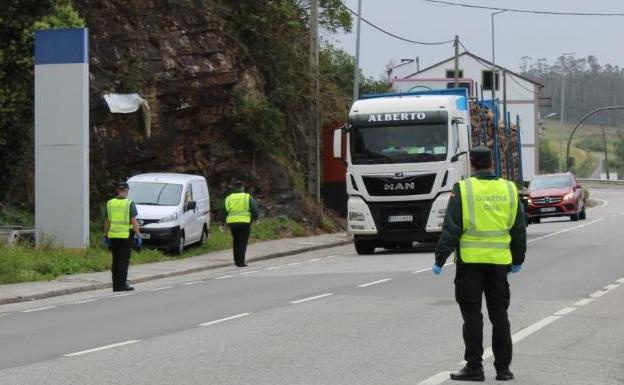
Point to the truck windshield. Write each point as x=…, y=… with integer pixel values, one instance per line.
x=399, y=144
x=155, y=194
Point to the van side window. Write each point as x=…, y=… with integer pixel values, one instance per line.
x=199, y=191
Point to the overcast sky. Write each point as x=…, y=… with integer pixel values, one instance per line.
x=516, y=34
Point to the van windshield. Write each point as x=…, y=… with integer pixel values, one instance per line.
x=155, y=194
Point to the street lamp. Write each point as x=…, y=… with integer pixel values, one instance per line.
x=563, y=70
x=493, y=58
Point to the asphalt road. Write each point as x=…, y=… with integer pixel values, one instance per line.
x=333, y=317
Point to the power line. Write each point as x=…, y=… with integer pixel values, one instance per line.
x=533, y=11
x=397, y=36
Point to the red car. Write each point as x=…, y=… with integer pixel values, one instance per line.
x=555, y=195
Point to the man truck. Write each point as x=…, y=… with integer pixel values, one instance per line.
x=404, y=153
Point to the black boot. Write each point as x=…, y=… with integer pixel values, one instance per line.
x=504, y=375
x=468, y=374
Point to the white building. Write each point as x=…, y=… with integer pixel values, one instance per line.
x=475, y=74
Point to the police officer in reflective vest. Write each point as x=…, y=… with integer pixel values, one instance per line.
x=241, y=211
x=484, y=224
x=119, y=226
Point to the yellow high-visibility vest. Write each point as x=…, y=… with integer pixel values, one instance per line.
x=237, y=207
x=118, y=210
x=489, y=208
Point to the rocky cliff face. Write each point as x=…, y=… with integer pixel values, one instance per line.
x=178, y=56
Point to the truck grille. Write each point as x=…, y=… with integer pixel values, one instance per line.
x=383, y=211
x=391, y=186
x=547, y=200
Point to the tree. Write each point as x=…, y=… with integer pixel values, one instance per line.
x=548, y=160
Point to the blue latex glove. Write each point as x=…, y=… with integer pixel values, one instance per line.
x=106, y=241
x=516, y=268
x=138, y=241
x=436, y=269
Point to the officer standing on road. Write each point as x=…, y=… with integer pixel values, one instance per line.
x=120, y=219
x=485, y=225
x=241, y=210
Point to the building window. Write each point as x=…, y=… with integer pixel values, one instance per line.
x=450, y=74
x=486, y=80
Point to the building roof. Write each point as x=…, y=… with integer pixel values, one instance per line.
x=481, y=60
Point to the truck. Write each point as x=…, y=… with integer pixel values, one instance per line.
x=404, y=152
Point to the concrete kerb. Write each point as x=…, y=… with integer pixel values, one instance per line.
x=98, y=286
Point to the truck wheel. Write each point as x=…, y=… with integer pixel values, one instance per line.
x=583, y=214
x=405, y=245
x=364, y=247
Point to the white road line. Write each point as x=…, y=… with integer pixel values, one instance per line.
x=598, y=293
x=314, y=260
x=612, y=286
x=224, y=319
x=273, y=267
x=566, y=311
x=375, y=282
x=250, y=272
x=583, y=302
x=122, y=295
x=193, y=282
x=161, y=288
x=437, y=379
x=294, y=263
x=330, y=256
x=38, y=309
x=565, y=230
x=312, y=298
x=102, y=348
x=429, y=268
x=605, y=203
x=620, y=280
x=84, y=301
x=524, y=333
x=224, y=277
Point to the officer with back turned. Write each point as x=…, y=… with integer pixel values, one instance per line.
x=119, y=227
x=484, y=224
x=241, y=210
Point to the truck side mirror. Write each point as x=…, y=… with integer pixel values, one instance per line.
x=338, y=143
x=455, y=157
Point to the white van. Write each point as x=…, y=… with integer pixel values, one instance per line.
x=173, y=209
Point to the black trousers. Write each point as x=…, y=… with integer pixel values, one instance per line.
x=471, y=282
x=240, y=237
x=121, y=249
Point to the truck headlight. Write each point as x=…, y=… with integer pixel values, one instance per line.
x=356, y=216
x=441, y=213
x=169, y=218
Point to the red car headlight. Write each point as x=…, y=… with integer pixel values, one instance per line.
x=568, y=196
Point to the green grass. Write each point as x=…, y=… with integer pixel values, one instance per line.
x=22, y=263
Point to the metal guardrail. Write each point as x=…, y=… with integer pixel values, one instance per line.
x=600, y=183
x=11, y=235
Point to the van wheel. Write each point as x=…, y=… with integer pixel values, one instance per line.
x=204, y=237
x=178, y=245
x=364, y=247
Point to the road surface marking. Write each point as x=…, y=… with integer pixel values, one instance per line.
x=122, y=295
x=294, y=263
x=598, y=293
x=84, y=301
x=102, y=348
x=38, y=309
x=273, y=268
x=566, y=311
x=314, y=260
x=565, y=230
x=602, y=200
x=621, y=280
x=375, y=282
x=312, y=298
x=161, y=288
x=611, y=286
x=429, y=268
x=583, y=302
x=250, y=272
x=193, y=282
x=224, y=277
x=224, y=319
x=437, y=379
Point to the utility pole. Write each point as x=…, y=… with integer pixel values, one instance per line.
x=563, y=75
x=356, y=70
x=494, y=59
x=604, y=138
x=314, y=164
x=456, y=45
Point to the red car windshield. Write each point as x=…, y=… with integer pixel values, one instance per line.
x=540, y=183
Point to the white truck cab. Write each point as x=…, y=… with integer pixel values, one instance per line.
x=404, y=153
x=173, y=209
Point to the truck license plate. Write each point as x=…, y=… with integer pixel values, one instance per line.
x=400, y=218
x=548, y=209
x=145, y=235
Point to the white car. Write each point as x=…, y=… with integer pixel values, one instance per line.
x=173, y=209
